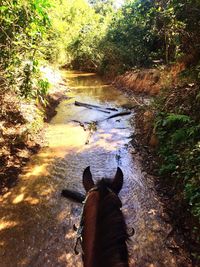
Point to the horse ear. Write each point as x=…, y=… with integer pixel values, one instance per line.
x=118, y=181
x=87, y=179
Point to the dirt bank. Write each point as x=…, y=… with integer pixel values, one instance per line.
x=145, y=81
x=21, y=128
x=149, y=81
x=177, y=210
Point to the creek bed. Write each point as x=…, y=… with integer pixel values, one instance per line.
x=36, y=224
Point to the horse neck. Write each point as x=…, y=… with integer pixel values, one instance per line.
x=104, y=236
x=89, y=230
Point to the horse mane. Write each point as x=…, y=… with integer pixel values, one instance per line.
x=111, y=230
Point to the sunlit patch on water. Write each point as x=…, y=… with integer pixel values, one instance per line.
x=4, y=224
x=18, y=199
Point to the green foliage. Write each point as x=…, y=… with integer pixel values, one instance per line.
x=23, y=26
x=191, y=173
x=94, y=35
x=129, y=40
x=144, y=32
x=103, y=7
x=174, y=119
x=177, y=127
x=77, y=28
x=179, y=149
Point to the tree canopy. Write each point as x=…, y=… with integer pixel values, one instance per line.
x=95, y=35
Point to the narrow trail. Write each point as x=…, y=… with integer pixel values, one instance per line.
x=36, y=224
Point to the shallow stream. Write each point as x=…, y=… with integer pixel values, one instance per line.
x=36, y=223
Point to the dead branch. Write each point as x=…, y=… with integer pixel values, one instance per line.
x=89, y=106
x=124, y=113
x=81, y=124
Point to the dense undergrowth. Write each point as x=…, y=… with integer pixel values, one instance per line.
x=22, y=32
x=178, y=129
x=177, y=126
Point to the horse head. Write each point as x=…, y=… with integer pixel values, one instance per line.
x=103, y=229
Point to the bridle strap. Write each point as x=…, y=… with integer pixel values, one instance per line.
x=79, y=229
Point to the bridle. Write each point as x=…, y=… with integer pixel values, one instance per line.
x=79, y=229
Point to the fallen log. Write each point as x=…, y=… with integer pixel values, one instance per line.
x=89, y=106
x=73, y=195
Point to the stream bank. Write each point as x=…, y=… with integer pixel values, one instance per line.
x=150, y=81
x=185, y=226
x=22, y=125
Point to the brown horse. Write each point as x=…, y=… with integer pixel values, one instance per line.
x=103, y=229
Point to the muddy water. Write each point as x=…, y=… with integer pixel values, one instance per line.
x=36, y=223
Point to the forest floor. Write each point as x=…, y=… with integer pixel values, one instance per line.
x=21, y=128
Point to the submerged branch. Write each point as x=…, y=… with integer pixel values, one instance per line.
x=124, y=113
